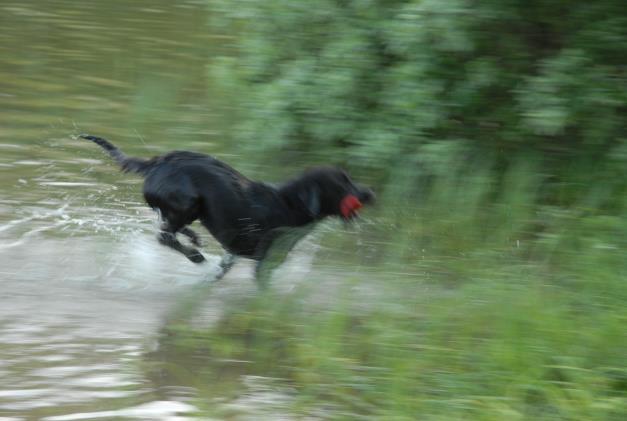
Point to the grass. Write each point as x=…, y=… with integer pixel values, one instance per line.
x=508, y=308
x=513, y=346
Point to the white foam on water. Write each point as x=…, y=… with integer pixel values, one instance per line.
x=157, y=410
x=45, y=215
x=68, y=183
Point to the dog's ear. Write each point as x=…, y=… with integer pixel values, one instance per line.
x=310, y=197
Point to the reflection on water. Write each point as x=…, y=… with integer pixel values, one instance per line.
x=84, y=294
x=79, y=310
x=84, y=286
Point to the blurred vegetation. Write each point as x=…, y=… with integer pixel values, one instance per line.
x=495, y=133
x=504, y=121
x=404, y=85
x=508, y=345
x=489, y=281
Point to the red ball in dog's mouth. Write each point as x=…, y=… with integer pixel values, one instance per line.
x=349, y=206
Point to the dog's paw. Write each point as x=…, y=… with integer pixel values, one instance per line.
x=196, y=257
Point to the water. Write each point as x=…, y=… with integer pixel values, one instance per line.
x=84, y=286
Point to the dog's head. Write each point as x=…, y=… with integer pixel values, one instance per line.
x=329, y=191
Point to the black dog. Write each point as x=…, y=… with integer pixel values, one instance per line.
x=247, y=217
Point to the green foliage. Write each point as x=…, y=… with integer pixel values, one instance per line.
x=375, y=81
x=495, y=132
x=468, y=314
x=501, y=121
x=509, y=344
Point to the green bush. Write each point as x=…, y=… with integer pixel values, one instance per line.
x=512, y=112
x=376, y=82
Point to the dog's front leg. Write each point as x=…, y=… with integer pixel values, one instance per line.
x=273, y=250
x=263, y=272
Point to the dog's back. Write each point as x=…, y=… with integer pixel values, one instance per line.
x=186, y=186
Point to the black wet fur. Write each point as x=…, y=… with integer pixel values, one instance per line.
x=245, y=216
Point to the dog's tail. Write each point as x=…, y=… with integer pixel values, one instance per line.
x=128, y=164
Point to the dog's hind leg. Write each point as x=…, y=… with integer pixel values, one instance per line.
x=191, y=234
x=167, y=237
x=226, y=263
